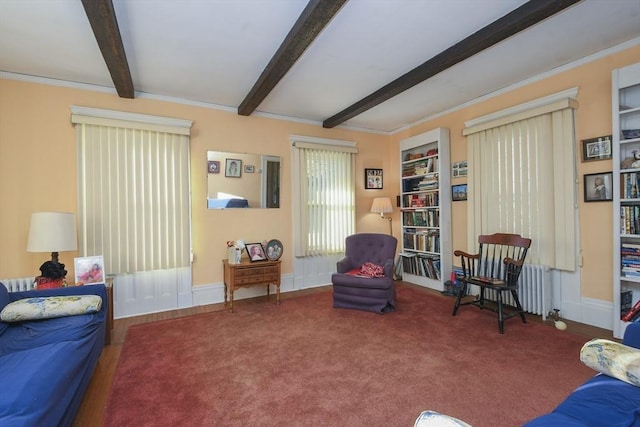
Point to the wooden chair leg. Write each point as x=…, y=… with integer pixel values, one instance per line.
x=500, y=313
x=462, y=291
x=514, y=294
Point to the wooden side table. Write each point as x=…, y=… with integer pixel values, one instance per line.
x=248, y=274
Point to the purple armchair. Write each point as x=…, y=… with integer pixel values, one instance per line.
x=376, y=294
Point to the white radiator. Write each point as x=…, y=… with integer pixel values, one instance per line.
x=18, y=285
x=533, y=290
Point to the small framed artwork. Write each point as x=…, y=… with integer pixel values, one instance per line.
x=233, y=168
x=373, y=179
x=459, y=169
x=596, y=148
x=459, y=192
x=255, y=252
x=598, y=187
x=249, y=168
x=213, y=166
x=89, y=270
x=274, y=249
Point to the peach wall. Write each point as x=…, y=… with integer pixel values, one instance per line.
x=38, y=171
x=593, y=118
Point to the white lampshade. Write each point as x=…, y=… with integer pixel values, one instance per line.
x=381, y=205
x=52, y=232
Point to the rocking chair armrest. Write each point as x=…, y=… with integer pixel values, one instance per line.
x=466, y=255
x=513, y=262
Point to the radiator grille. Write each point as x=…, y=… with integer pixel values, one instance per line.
x=18, y=285
x=533, y=290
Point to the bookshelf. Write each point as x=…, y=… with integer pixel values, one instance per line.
x=626, y=194
x=425, y=197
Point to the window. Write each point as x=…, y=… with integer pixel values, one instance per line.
x=522, y=178
x=324, y=195
x=133, y=190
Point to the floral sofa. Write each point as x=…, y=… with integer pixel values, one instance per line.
x=50, y=343
x=612, y=397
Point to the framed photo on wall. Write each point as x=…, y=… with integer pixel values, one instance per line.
x=373, y=179
x=233, y=168
x=213, y=166
x=598, y=187
x=459, y=192
x=596, y=148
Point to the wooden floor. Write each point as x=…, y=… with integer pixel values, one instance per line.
x=91, y=410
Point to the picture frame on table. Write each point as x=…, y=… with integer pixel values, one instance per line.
x=89, y=270
x=274, y=249
x=233, y=168
x=596, y=148
x=373, y=179
x=255, y=252
x=598, y=187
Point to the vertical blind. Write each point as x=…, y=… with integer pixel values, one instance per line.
x=324, y=197
x=134, y=193
x=522, y=180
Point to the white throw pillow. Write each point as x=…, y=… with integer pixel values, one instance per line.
x=612, y=358
x=49, y=307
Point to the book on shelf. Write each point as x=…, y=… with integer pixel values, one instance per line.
x=626, y=301
x=635, y=310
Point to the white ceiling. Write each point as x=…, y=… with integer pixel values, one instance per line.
x=213, y=51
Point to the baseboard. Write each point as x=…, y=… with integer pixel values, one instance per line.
x=214, y=293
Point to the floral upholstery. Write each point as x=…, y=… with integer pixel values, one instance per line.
x=49, y=307
x=613, y=359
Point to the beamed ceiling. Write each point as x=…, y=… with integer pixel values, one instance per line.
x=378, y=65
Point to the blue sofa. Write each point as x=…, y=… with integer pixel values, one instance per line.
x=602, y=401
x=46, y=365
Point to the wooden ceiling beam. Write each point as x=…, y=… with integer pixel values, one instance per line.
x=315, y=16
x=104, y=24
x=510, y=24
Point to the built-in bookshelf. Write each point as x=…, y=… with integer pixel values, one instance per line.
x=626, y=195
x=425, y=197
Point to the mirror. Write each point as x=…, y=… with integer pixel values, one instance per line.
x=237, y=180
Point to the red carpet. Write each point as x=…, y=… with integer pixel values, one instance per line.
x=304, y=363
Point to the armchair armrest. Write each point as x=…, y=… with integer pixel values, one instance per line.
x=388, y=267
x=344, y=265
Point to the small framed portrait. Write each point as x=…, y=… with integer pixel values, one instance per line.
x=373, y=179
x=459, y=169
x=89, y=270
x=459, y=192
x=213, y=166
x=598, y=187
x=596, y=148
x=249, y=168
x=274, y=249
x=255, y=252
x=233, y=168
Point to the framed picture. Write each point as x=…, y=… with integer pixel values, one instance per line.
x=255, y=252
x=459, y=192
x=373, y=179
x=213, y=166
x=274, y=249
x=598, y=187
x=459, y=169
x=233, y=168
x=249, y=168
x=89, y=270
x=596, y=148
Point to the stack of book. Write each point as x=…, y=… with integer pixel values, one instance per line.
x=630, y=259
x=630, y=219
x=630, y=185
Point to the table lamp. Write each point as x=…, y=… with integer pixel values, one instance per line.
x=382, y=205
x=52, y=232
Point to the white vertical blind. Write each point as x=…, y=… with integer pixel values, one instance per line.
x=134, y=196
x=522, y=180
x=324, y=197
